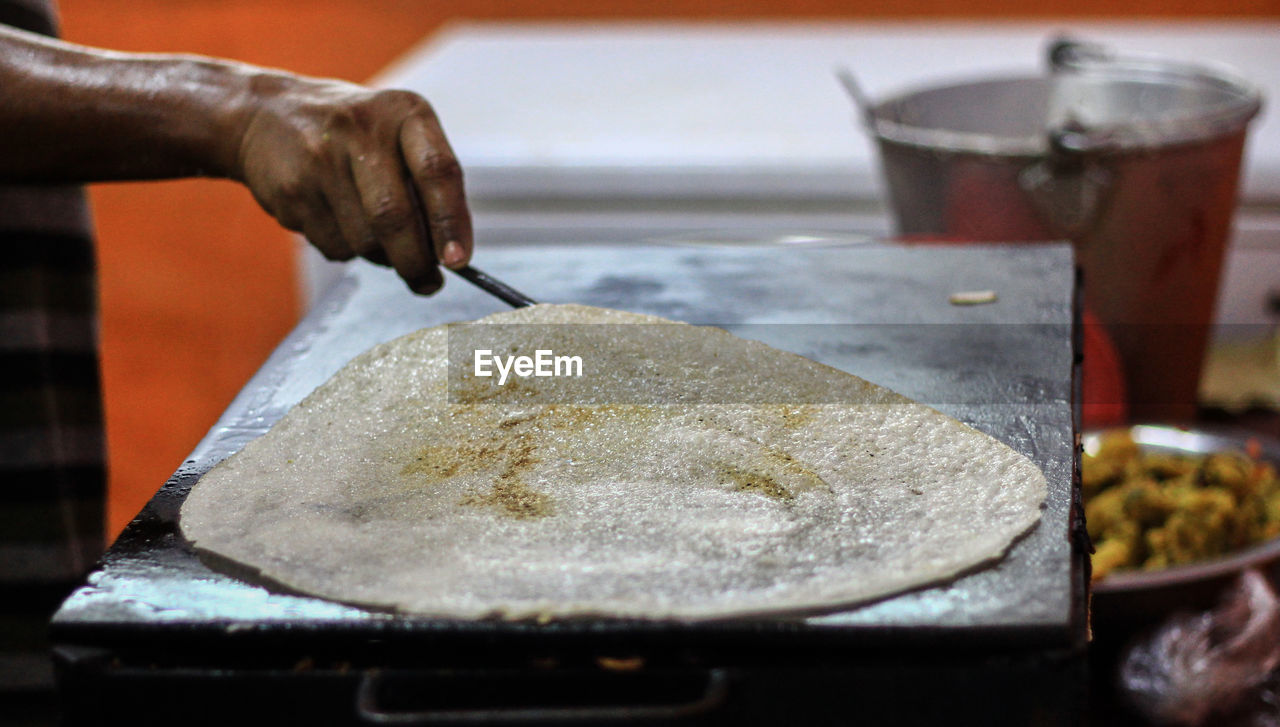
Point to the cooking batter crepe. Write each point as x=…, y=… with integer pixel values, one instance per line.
x=398, y=485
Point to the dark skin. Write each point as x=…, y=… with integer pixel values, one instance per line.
x=360, y=172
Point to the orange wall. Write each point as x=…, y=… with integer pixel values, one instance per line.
x=197, y=284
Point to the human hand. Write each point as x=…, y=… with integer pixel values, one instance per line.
x=358, y=172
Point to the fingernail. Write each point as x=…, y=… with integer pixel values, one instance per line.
x=453, y=254
x=426, y=286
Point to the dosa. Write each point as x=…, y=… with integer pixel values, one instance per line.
x=747, y=480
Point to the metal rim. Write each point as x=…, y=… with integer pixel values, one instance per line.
x=1211, y=122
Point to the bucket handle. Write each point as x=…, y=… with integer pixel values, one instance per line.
x=1071, y=55
x=1068, y=54
x=1072, y=140
x=860, y=98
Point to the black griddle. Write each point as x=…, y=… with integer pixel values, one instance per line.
x=157, y=635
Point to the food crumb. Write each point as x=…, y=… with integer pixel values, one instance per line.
x=973, y=297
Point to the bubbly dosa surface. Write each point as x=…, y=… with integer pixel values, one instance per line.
x=389, y=486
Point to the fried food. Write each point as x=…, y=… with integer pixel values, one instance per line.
x=1148, y=510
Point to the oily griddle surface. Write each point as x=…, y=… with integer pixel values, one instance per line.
x=879, y=312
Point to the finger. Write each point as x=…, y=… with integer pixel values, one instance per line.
x=395, y=222
x=438, y=178
x=322, y=231
x=378, y=256
x=348, y=211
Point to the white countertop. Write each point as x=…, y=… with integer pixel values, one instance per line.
x=588, y=109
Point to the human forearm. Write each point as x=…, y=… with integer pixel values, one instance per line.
x=75, y=114
x=359, y=171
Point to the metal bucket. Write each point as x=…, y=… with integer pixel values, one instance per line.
x=1134, y=160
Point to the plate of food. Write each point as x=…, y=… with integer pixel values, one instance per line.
x=1176, y=513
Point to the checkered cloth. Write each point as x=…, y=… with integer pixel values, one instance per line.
x=52, y=453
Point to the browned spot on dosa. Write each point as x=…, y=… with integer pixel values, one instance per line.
x=471, y=391
x=510, y=495
x=508, y=448
x=752, y=481
x=793, y=417
x=797, y=473
x=797, y=477
x=440, y=462
x=513, y=498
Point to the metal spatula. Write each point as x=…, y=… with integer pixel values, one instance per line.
x=495, y=287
